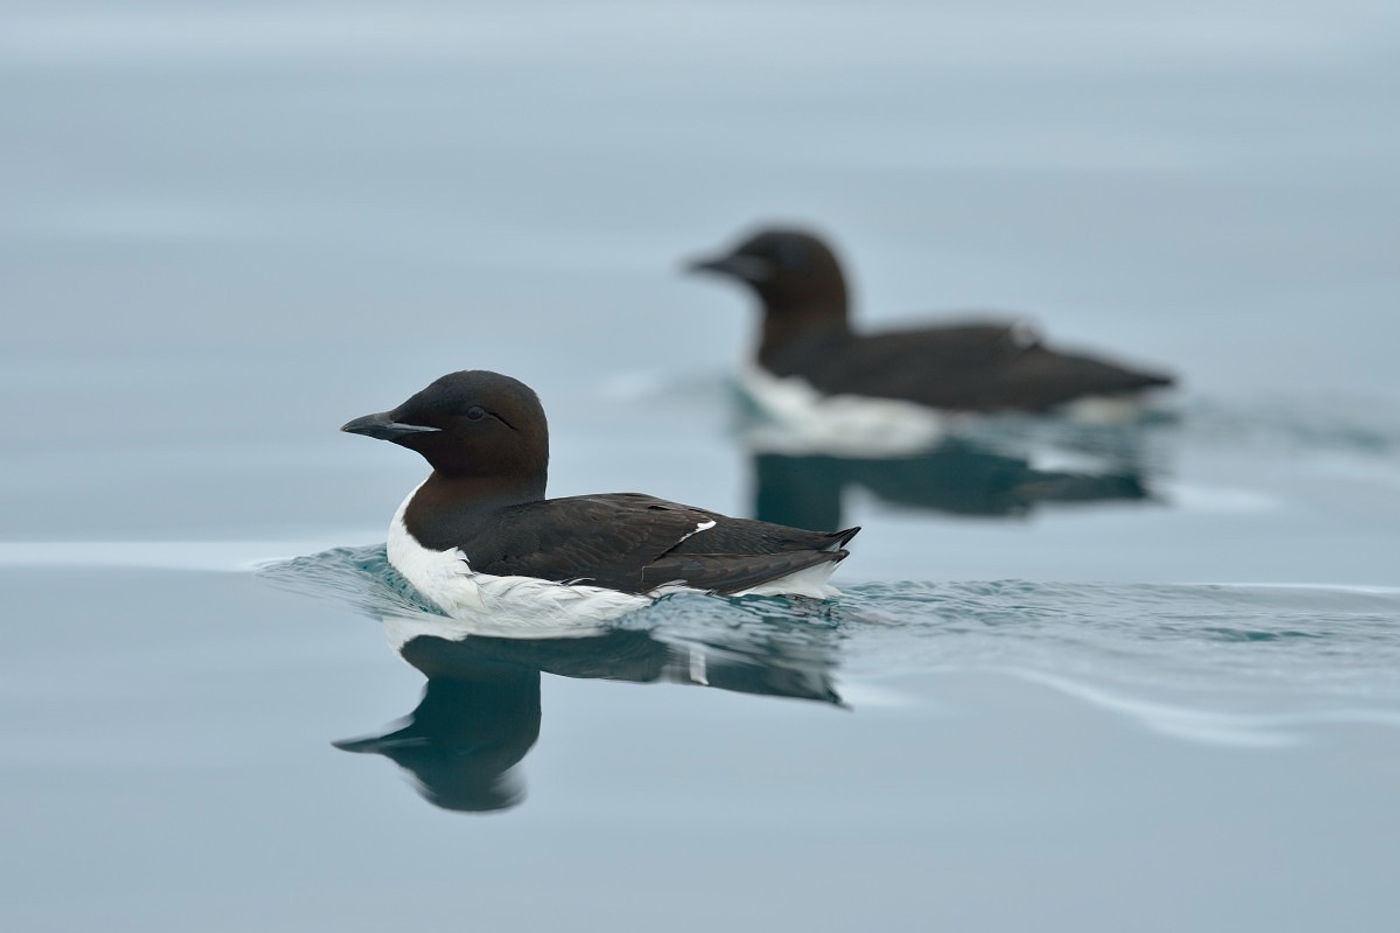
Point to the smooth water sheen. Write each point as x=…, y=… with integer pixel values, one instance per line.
x=1080, y=677
x=1234, y=663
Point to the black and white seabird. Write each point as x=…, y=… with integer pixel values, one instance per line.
x=479, y=536
x=809, y=353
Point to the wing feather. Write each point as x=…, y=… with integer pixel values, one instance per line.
x=634, y=543
x=982, y=367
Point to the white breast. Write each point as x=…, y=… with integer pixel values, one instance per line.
x=509, y=602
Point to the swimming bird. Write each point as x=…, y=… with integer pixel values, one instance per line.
x=809, y=350
x=478, y=535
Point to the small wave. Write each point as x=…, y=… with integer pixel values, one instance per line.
x=1208, y=725
x=1317, y=424
x=1245, y=663
x=359, y=576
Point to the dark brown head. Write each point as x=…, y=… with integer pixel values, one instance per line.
x=792, y=271
x=471, y=424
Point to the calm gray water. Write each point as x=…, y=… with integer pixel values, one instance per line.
x=1140, y=679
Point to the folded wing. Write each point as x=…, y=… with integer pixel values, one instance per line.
x=636, y=543
x=976, y=367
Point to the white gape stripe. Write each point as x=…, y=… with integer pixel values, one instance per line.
x=523, y=604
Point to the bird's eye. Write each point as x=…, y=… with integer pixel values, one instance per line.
x=476, y=413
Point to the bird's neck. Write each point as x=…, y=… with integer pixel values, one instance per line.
x=445, y=505
x=786, y=326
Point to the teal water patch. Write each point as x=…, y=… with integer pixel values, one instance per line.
x=361, y=576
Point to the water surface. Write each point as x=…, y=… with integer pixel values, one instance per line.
x=1137, y=679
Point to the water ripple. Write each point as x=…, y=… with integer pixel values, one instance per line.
x=1215, y=661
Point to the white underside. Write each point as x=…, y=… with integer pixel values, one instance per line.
x=798, y=419
x=1106, y=409
x=484, y=604
x=810, y=581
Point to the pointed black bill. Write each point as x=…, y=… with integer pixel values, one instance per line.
x=748, y=268
x=380, y=744
x=382, y=425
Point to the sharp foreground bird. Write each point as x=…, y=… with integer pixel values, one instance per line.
x=479, y=535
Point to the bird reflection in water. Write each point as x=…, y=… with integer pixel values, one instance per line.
x=956, y=463
x=480, y=713
x=957, y=477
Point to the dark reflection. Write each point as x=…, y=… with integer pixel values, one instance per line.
x=480, y=713
x=465, y=737
x=957, y=476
